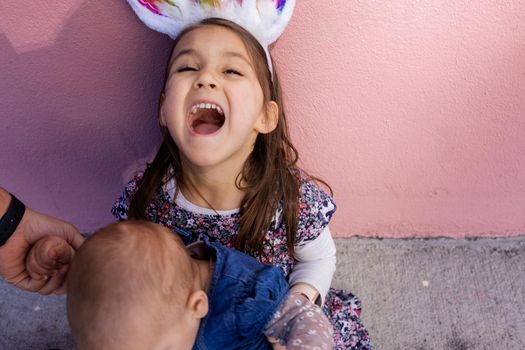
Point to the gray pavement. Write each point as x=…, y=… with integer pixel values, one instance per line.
x=417, y=294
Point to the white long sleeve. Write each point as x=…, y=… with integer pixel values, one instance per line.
x=315, y=265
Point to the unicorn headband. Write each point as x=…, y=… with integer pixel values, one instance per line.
x=264, y=19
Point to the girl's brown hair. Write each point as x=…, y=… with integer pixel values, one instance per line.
x=269, y=177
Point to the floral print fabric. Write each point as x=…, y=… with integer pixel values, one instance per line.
x=316, y=209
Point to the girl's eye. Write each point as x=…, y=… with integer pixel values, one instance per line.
x=186, y=69
x=233, y=71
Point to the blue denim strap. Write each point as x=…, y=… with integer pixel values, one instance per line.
x=186, y=236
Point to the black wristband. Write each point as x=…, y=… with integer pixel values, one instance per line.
x=9, y=222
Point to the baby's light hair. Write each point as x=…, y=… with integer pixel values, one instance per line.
x=128, y=276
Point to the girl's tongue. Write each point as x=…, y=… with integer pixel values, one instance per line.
x=206, y=121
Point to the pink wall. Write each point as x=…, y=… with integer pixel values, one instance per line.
x=414, y=112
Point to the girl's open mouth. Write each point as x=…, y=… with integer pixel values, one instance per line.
x=206, y=118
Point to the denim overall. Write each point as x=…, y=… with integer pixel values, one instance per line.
x=244, y=294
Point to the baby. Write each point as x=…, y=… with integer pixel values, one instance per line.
x=134, y=285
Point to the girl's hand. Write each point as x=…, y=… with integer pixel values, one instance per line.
x=14, y=252
x=275, y=344
x=47, y=264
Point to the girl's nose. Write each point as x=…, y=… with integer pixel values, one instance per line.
x=212, y=85
x=205, y=79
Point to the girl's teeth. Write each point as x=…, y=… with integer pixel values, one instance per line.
x=206, y=106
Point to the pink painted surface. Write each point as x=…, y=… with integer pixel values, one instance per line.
x=414, y=112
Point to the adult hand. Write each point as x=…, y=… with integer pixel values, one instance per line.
x=48, y=262
x=13, y=253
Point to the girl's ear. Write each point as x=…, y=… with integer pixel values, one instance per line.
x=269, y=121
x=162, y=120
x=197, y=304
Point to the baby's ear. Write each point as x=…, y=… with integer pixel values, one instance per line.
x=198, y=304
x=270, y=119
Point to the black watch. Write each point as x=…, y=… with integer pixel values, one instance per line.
x=12, y=217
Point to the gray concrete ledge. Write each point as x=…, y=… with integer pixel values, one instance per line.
x=417, y=294
x=438, y=293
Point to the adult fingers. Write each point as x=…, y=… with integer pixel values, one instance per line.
x=34, y=267
x=35, y=225
x=61, y=252
x=62, y=289
x=27, y=283
x=72, y=235
x=55, y=283
x=45, y=256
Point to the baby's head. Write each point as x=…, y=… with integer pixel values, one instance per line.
x=131, y=286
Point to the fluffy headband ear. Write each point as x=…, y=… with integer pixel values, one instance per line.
x=264, y=19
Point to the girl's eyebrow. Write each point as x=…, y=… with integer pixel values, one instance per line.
x=238, y=55
x=192, y=52
x=189, y=52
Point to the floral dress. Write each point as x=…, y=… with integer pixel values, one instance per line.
x=316, y=209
